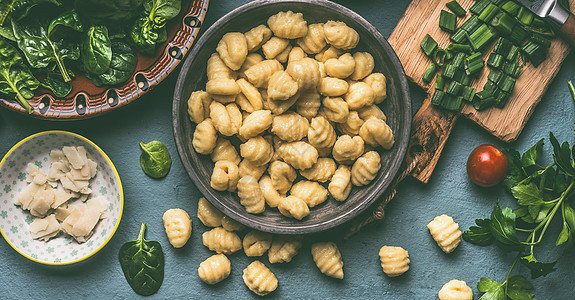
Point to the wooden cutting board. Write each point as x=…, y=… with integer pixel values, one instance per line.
x=431, y=126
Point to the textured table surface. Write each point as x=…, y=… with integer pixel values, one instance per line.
x=449, y=191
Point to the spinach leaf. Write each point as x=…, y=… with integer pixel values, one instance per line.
x=7, y=33
x=142, y=262
x=40, y=50
x=16, y=80
x=122, y=66
x=537, y=268
x=145, y=34
x=106, y=11
x=57, y=85
x=503, y=227
x=480, y=234
x=96, y=49
x=155, y=159
x=18, y=9
x=166, y=9
x=69, y=19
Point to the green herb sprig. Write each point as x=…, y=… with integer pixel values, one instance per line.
x=543, y=195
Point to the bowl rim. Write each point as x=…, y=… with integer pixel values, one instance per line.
x=208, y=193
x=115, y=174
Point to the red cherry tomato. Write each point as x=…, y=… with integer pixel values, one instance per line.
x=486, y=165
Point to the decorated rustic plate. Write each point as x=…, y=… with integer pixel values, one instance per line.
x=15, y=222
x=87, y=100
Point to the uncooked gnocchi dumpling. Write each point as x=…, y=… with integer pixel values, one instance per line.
x=217, y=69
x=341, y=67
x=224, y=150
x=260, y=73
x=251, y=196
x=306, y=72
x=321, y=134
x=226, y=119
x=378, y=84
x=284, y=55
x=257, y=36
x=256, y=243
x=251, y=60
x=256, y=123
x=205, y=137
x=209, y=215
x=308, y=104
x=282, y=176
x=455, y=290
x=274, y=46
x=311, y=192
x=288, y=25
x=377, y=133
x=230, y=225
x=347, y=149
x=445, y=232
x=221, y=241
x=340, y=35
x=246, y=168
x=352, y=125
x=293, y=207
x=281, y=86
x=271, y=195
x=394, y=260
x=290, y=127
x=335, y=109
x=225, y=176
x=296, y=53
x=257, y=150
x=364, y=65
x=199, y=106
x=250, y=98
x=233, y=49
x=365, y=168
x=314, y=40
x=284, y=248
x=279, y=107
x=359, y=95
x=321, y=171
x=178, y=226
x=214, y=269
x=333, y=87
x=259, y=279
x=328, y=259
x=327, y=53
x=223, y=90
x=340, y=185
x=299, y=155
x=372, y=111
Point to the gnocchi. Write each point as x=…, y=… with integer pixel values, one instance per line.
x=214, y=269
x=328, y=259
x=394, y=260
x=221, y=241
x=445, y=232
x=256, y=243
x=455, y=290
x=259, y=279
x=178, y=226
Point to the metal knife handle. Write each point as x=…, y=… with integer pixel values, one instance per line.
x=568, y=30
x=558, y=13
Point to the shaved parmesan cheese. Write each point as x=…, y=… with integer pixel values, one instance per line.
x=56, y=156
x=98, y=204
x=60, y=197
x=44, y=229
x=73, y=157
x=61, y=213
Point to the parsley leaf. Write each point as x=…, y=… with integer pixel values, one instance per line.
x=493, y=290
x=480, y=234
x=515, y=172
x=530, y=157
x=503, y=228
x=537, y=268
x=562, y=155
x=527, y=194
x=564, y=235
x=519, y=288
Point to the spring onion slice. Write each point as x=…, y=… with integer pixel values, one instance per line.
x=471, y=24
x=512, y=69
x=495, y=60
x=459, y=48
x=507, y=84
x=428, y=45
x=501, y=98
x=450, y=102
x=449, y=71
x=437, y=97
x=467, y=93
x=525, y=16
x=541, y=40
x=535, y=52
x=481, y=37
x=511, y=7
x=464, y=79
x=503, y=24
x=518, y=35
x=458, y=59
x=460, y=36
x=495, y=75
x=456, y=8
x=439, y=83
x=503, y=46
x=447, y=21
x=489, y=13
x=482, y=100
x=474, y=63
x=512, y=54
x=429, y=73
x=490, y=87
x=439, y=57
x=454, y=88
x=479, y=6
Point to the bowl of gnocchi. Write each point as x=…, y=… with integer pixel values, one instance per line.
x=292, y=117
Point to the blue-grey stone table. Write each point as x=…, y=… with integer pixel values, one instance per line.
x=449, y=191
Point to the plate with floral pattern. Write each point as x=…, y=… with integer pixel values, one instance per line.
x=14, y=221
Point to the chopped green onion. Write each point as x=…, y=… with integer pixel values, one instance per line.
x=535, y=52
x=479, y=6
x=506, y=84
x=501, y=98
x=437, y=97
x=467, y=93
x=503, y=24
x=498, y=2
x=471, y=24
x=460, y=36
x=439, y=83
x=450, y=102
x=464, y=79
x=482, y=100
x=458, y=60
x=481, y=37
x=571, y=88
x=449, y=71
x=447, y=21
x=428, y=45
x=490, y=87
x=494, y=76
x=456, y=8
x=511, y=7
x=503, y=46
x=512, y=54
x=439, y=57
x=518, y=35
x=429, y=73
x=454, y=88
x=512, y=69
x=525, y=16
x=489, y=13
x=474, y=63
x=495, y=60
x=459, y=48
x=541, y=40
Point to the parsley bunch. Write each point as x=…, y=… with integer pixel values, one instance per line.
x=543, y=194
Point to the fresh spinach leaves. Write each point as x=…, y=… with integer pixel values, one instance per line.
x=149, y=30
x=122, y=66
x=16, y=80
x=142, y=262
x=105, y=11
x=96, y=49
x=155, y=159
x=69, y=19
x=56, y=84
x=18, y=9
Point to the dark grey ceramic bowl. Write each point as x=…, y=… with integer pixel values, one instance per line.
x=397, y=108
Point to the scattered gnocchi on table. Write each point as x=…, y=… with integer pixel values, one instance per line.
x=304, y=107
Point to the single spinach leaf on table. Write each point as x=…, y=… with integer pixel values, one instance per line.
x=155, y=159
x=96, y=49
x=16, y=79
x=41, y=51
x=142, y=262
x=122, y=66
